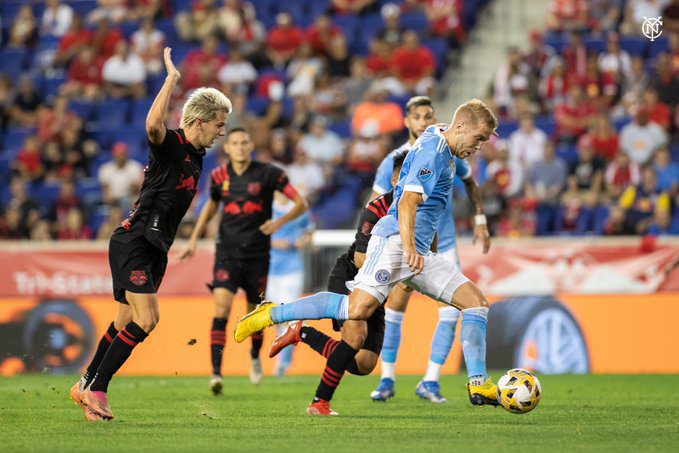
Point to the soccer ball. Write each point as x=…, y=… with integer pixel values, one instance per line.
x=519, y=391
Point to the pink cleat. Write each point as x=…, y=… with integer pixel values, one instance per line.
x=97, y=404
x=320, y=407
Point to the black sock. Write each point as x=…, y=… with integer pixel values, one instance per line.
x=217, y=341
x=334, y=370
x=117, y=354
x=104, y=344
x=257, y=340
x=324, y=345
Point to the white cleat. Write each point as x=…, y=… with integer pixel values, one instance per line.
x=216, y=385
x=256, y=371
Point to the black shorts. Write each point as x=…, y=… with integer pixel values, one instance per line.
x=248, y=274
x=344, y=271
x=136, y=266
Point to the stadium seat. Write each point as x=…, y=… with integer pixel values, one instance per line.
x=12, y=62
x=140, y=108
x=50, y=86
x=547, y=124
x=658, y=46
x=505, y=129
x=83, y=7
x=89, y=191
x=46, y=193
x=342, y=128
x=14, y=138
x=569, y=153
x=112, y=113
x=594, y=44
x=348, y=24
x=257, y=105
x=634, y=46
x=84, y=109
x=439, y=47
x=415, y=21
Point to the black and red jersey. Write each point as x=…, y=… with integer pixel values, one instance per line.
x=371, y=214
x=246, y=204
x=170, y=182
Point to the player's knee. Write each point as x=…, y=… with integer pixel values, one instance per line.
x=366, y=363
x=148, y=322
x=359, y=312
x=477, y=301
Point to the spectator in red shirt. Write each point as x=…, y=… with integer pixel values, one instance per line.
x=72, y=42
x=201, y=66
x=658, y=111
x=66, y=200
x=444, y=20
x=620, y=174
x=321, y=32
x=380, y=59
x=84, y=76
x=54, y=121
x=414, y=64
x=553, y=89
x=283, y=40
x=29, y=161
x=574, y=116
x=74, y=227
x=568, y=15
x=603, y=137
x=105, y=38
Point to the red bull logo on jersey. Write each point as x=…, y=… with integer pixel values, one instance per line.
x=188, y=184
x=254, y=188
x=139, y=278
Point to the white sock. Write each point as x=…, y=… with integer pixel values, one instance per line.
x=433, y=372
x=389, y=370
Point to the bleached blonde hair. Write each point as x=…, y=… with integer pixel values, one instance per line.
x=476, y=110
x=203, y=104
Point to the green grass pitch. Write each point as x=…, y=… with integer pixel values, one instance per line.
x=577, y=413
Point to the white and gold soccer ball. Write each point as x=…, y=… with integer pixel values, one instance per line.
x=519, y=391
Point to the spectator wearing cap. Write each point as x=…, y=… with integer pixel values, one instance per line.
x=640, y=138
x=56, y=19
x=120, y=178
x=322, y=145
x=414, y=65
x=391, y=33
x=124, y=73
x=283, y=40
x=198, y=22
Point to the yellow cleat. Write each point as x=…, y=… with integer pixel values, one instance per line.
x=258, y=319
x=483, y=395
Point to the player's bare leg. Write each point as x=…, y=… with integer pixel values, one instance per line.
x=223, y=301
x=474, y=306
x=395, y=307
x=145, y=317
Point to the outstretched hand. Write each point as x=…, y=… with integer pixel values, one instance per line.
x=481, y=233
x=172, y=72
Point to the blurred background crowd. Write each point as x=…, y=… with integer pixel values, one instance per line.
x=588, y=141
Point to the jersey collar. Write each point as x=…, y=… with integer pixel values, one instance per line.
x=438, y=130
x=200, y=151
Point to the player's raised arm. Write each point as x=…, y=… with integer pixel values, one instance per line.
x=155, y=126
x=208, y=212
x=480, y=223
x=407, y=210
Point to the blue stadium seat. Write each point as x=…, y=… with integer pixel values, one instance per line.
x=112, y=113
x=348, y=24
x=89, y=191
x=621, y=122
x=166, y=25
x=14, y=138
x=658, y=46
x=46, y=193
x=547, y=124
x=84, y=109
x=83, y=7
x=140, y=108
x=13, y=61
x=505, y=129
x=439, y=47
x=595, y=45
x=569, y=153
x=415, y=21
x=258, y=105
x=634, y=46
x=129, y=27
x=555, y=40
x=50, y=86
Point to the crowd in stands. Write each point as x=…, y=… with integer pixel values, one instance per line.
x=588, y=112
x=590, y=120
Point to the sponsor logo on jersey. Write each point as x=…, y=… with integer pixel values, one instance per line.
x=188, y=184
x=424, y=174
x=382, y=276
x=254, y=188
x=139, y=278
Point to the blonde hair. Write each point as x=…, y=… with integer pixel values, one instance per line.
x=476, y=111
x=203, y=104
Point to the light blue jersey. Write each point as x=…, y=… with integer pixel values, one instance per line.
x=428, y=169
x=447, y=233
x=382, y=182
x=289, y=261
